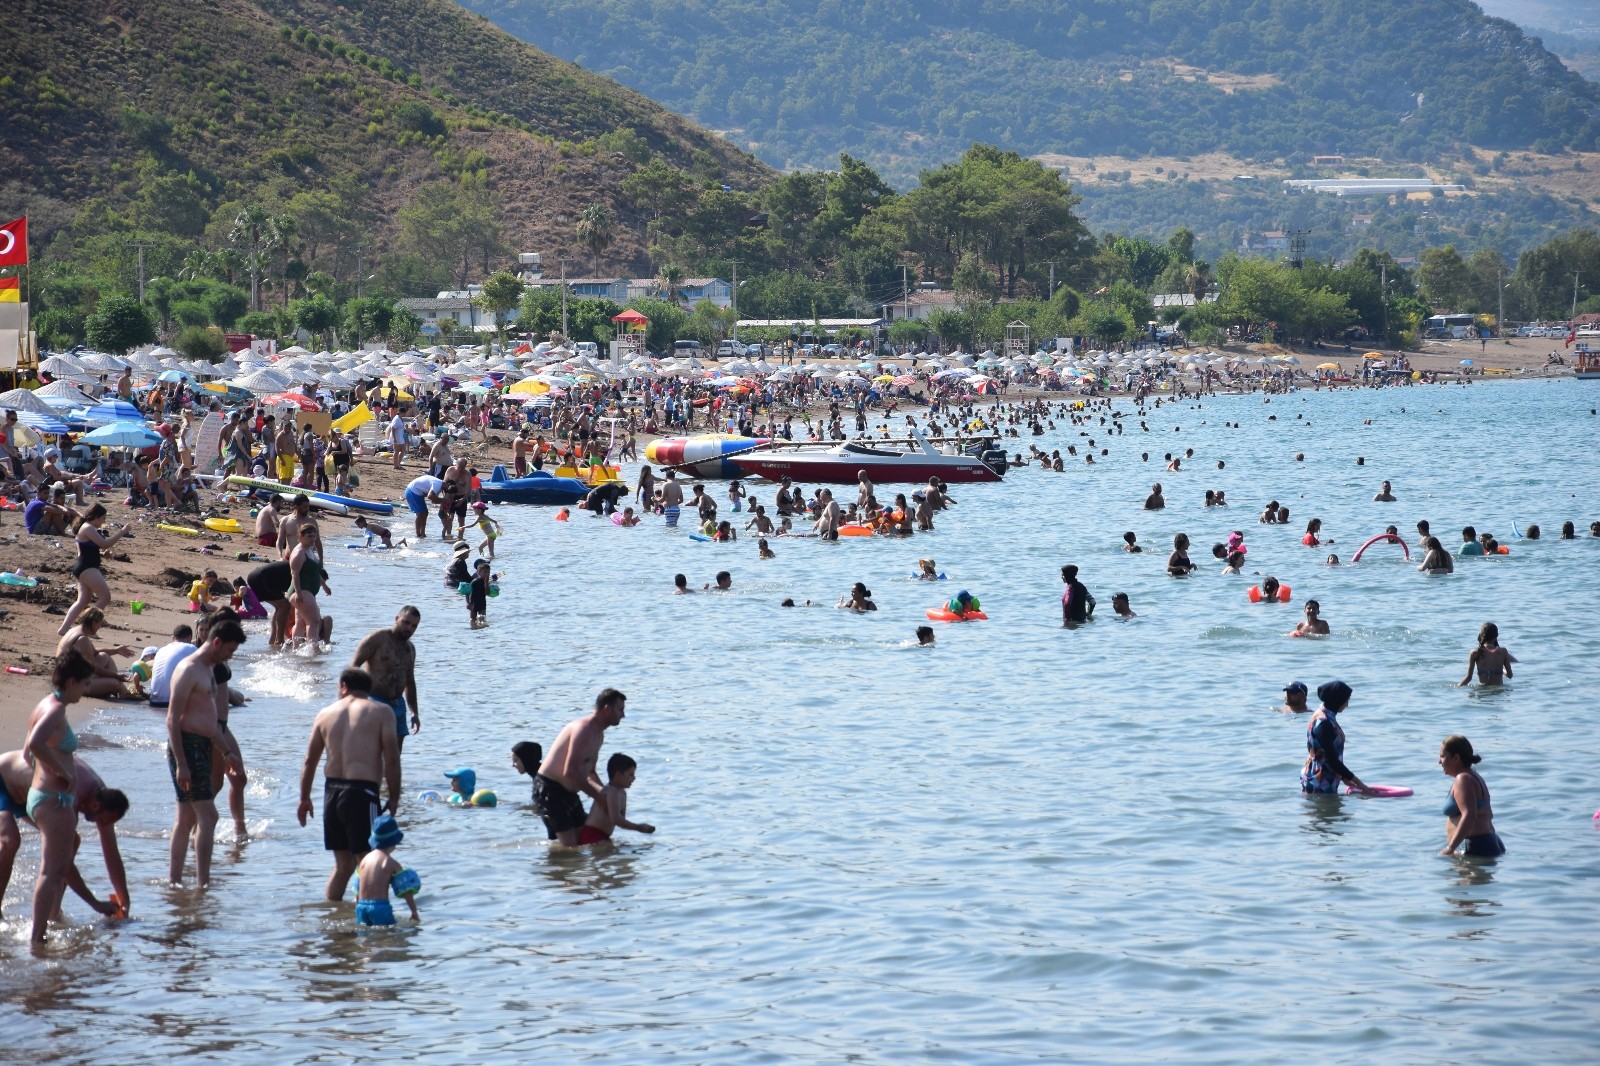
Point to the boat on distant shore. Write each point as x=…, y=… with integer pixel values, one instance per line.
x=1586, y=362
x=915, y=460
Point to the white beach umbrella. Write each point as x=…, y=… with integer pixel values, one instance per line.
x=24, y=400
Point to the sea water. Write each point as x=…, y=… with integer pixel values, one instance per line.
x=1024, y=844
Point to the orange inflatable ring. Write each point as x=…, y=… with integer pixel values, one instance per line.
x=1502, y=550
x=1284, y=593
x=855, y=531
x=941, y=614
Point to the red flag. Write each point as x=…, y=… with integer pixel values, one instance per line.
x=14, y=242
x=1572, y=335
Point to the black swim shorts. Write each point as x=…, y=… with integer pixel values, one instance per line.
x=348, y=810
x=560, y=807
x=197, y=757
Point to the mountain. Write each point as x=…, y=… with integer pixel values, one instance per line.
x=165, y=116
x=905, y=84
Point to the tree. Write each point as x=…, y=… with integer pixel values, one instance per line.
x=368, y=317
x=501, y=293
x=1181, y=244
x=906, y=331
x=224, y=304
x=972, y=284
x=316, y=315
x=458, y=222
x=669, y=284
x=595, y=230
x=251, y=230
x=1443, y=278
x=1103, y=321
x=200, y=342
x=119, y=323
x=187, y=313
x=257, y=324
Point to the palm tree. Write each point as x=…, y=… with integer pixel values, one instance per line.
x=1198, y=278
x=594, y=229
x=281, y=230
x=669, y=283
x=251, y=229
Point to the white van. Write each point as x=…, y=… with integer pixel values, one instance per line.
x=589, y=348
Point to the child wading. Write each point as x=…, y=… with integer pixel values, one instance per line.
x=379, y=874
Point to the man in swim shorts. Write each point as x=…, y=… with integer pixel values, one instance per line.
x=391, y=659
x=357, y=735
x=191, y=733
x=419, y=493
x=271, y=584
x=570, y=768
x=671, y=498
x=100, y=805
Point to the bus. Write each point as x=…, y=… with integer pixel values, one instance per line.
x=1459, y=327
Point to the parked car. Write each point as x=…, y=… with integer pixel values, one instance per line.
x=589, y=348
x=731, y=349
x=688, y=349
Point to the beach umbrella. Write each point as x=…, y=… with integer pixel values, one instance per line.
x=43, y=423
x=63, y=394
x=529, y=387
x=122, y=435
x=297, y=399
x=99, y=362
x=60, y=366
x=111, y=411
x=1372, y=355
x=1329, y=366
x=20, y=400
x=1466, y=362
x=174, y=375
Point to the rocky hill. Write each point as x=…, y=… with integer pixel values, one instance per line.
x=162, y=115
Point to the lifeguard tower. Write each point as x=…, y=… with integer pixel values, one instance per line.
x=1018, y=340
x=631, y=330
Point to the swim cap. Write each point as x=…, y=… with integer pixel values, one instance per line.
x=1334, y=695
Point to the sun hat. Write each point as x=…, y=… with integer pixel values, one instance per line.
x=480, y=506
x=463, y=548
x=465, y=779
x=149, y=653
x=385, y=832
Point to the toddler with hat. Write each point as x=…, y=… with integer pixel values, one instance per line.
x=139, y=672
x=464, y=790
x=379, y=874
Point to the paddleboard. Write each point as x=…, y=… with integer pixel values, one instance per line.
x=348, y=502
x=1382, y=791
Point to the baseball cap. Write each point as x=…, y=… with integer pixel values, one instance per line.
x=466, y=779
x=1295, y=686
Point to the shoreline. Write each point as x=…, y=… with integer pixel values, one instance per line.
x=157, y=566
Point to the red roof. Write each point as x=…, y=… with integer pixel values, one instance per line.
x=630, y=315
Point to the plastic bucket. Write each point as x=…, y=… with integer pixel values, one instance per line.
x=136, y=606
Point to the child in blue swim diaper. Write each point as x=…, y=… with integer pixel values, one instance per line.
x=379, y=874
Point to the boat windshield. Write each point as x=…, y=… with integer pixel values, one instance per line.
x=862, y=449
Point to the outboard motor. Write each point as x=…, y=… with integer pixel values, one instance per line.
x=994, y=459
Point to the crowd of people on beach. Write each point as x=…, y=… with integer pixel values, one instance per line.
x=358, y=739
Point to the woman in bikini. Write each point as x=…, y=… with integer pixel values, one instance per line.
x=52, y=805
x=1469, y=817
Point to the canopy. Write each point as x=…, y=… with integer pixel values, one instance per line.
x=20, y=400
x=631, y=317
x=113, y=411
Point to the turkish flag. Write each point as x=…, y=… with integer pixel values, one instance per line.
x=1572, y=335
x=14, y=242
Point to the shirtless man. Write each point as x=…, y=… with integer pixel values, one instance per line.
x=863, y=490
x=439, y=457
x=671, y=500
x=519, y=452
x=827, y=524
x=1385, y=495
x=99, y=805
x=191, y=736
x=461, y=477
x=1155, y=501
x=569, y=768
x=283, y=449
x=390, y=657
x=357, y=734
x=289, y=528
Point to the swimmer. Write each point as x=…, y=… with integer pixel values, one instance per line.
x=927, y=570
x=610, y=809
x=378, y=874
x=1119, y=604
x=1313, y=527
x=463, y=783
x=1155, y=501
x=1385, y=495
x=1235, y=563
x=1332, y=560
x=1269, y=590
x=924, y=636
x=1568, y=531
x=1313, y=625
x=962, y=604
x=1469, y=816
x=1130, y=542
x=1532, y=533
x=628, y=517
x=680, y=585
x=859, y=599
x=763, y=551
x=1077, y=604
x=1436, y=560
x=526, y=755
x=1492, y=662
x=1294, y=698
x=1469, y=543
x=724, y=581
x=1269, y=515
x=1178, y=563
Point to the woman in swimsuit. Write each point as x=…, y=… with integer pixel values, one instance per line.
x=1178, y=563
x=1437, y=560
x=107, y=679
x=306, y=578
x=51, y=802
x=91, y=582
x=1492, y=662
x=1469, y=793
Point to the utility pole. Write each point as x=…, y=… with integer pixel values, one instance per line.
x=1052, y=291
x=1574, y=297
x=141, y=247
x=1500, y=316
x=905, y=293
x=1383, y=296
x=563, y=261
x=735, y=263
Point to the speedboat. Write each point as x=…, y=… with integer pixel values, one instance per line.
x=539, y=487
x=913, y=461
x=707, y=455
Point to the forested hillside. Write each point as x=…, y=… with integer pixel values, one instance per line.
x=159, y=121
x=906, y=83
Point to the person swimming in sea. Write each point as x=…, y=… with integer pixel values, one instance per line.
x=1492, y=662
x=1312, y=625
x=1469, y=815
